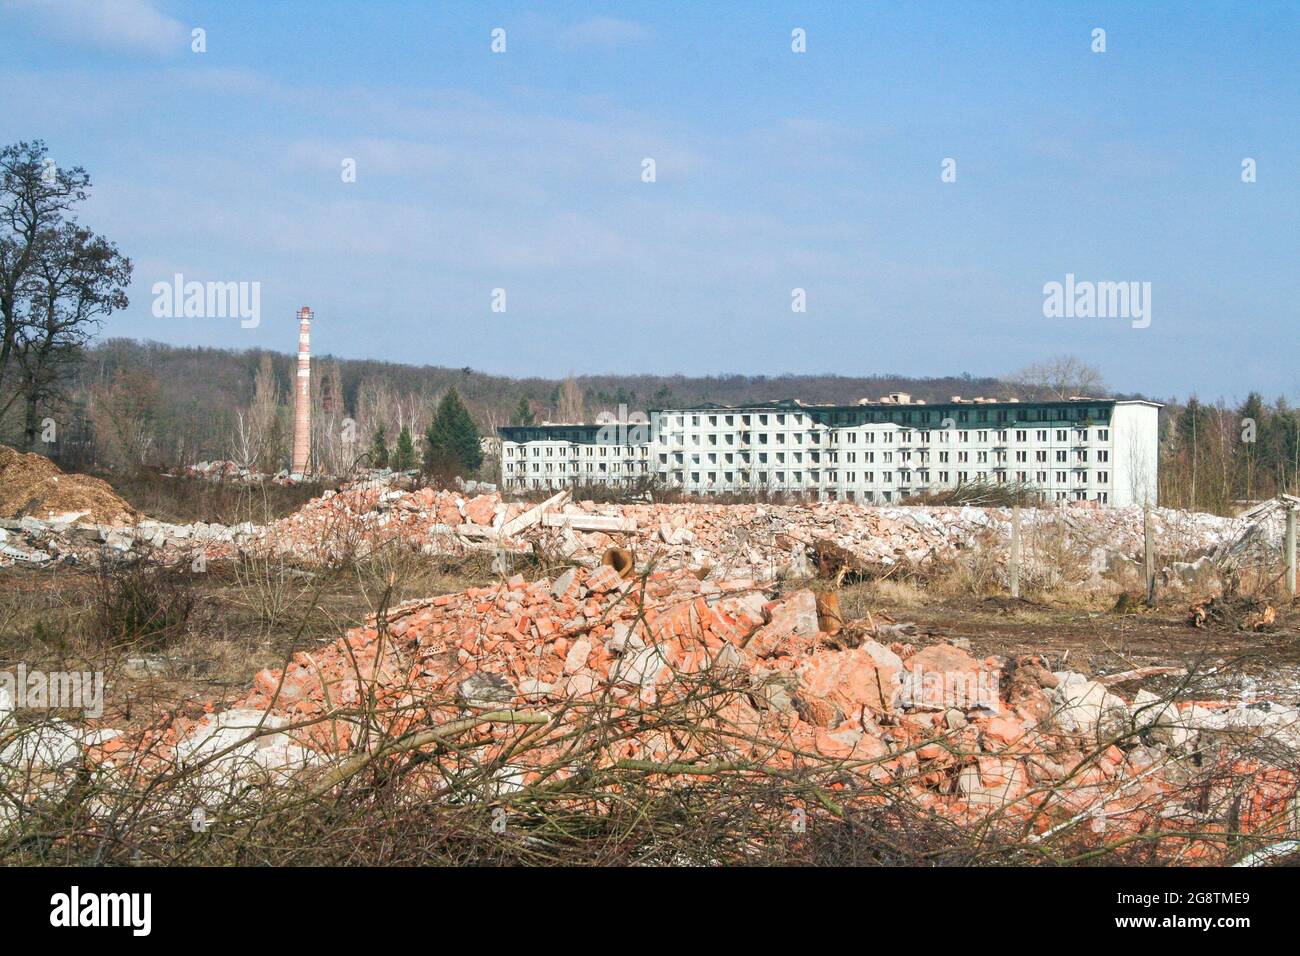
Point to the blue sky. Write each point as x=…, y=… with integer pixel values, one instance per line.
x=775, y=171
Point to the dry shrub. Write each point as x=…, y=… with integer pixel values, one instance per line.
x=983, y=494
x=270, y=589
x=427, y=794
x=182, y=500
x=141, y=605
x=973, y=571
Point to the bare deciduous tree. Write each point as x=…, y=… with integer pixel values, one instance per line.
x=258, y=438
x=572, y=407
x=327, y=416
x=122, y=413
x=1060, y=378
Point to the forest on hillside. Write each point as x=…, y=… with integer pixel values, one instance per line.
x=146, y=402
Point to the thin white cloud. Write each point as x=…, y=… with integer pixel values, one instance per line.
x=606, y=32
x=124, y=26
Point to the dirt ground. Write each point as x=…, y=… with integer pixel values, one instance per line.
x=1095, y=641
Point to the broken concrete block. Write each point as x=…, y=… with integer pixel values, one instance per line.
x=624, y=639
x=1082, y=706
x=230, y=728
x=576, y=659
x=642, y=669
x=563, y=583
x=53, y=743
x=535, y=689
x=1150, y=710
x=729, y=660
x=486, y=690
x=774, y=690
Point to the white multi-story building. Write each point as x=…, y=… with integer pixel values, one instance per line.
x=567, y=455
x=1082, y=449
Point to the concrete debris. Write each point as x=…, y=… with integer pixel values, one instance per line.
x=758, y=541
x=762, y=542
x=1258, y=535
x=34, y=542
x=369, y=478
x=239, y=744
x=53, y=743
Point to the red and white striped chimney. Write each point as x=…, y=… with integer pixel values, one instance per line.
x=302, y=403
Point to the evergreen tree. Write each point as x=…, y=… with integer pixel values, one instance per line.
x=404, y=454
x=1281, y=445
x=379, y=449
x=1251, y=422
x=452, y=440
x=1193, y=423
x=524, y=413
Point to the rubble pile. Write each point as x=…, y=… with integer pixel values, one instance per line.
x=1097, y=547
x=333, y=527
x=226, y=471
x=596, y=658
x=772, y=538
x=761, y=541
x=1258, y=535
x=358, y=520
x=36, y=543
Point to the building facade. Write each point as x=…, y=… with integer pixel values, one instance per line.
x=567, y=455
x=872, y=452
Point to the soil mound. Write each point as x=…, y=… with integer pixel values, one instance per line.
x=33, y=485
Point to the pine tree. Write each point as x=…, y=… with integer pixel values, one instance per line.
x=1251, y=422
x=379, y=449
x=1193, y=423
x=524, y=413
x=452, y=440
x=404, y=453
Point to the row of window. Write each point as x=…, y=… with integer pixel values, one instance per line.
x=905, y=477
x=1075, y=436
x=852, y=494
x=1061, y=456
x=641, y=451
x=574, y=466
x=590, y=451
x=851, y=418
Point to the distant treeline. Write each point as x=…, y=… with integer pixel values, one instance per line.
x=193, y=397
x=132, y=403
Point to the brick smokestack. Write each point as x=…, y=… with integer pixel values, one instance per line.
x=302, y=401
